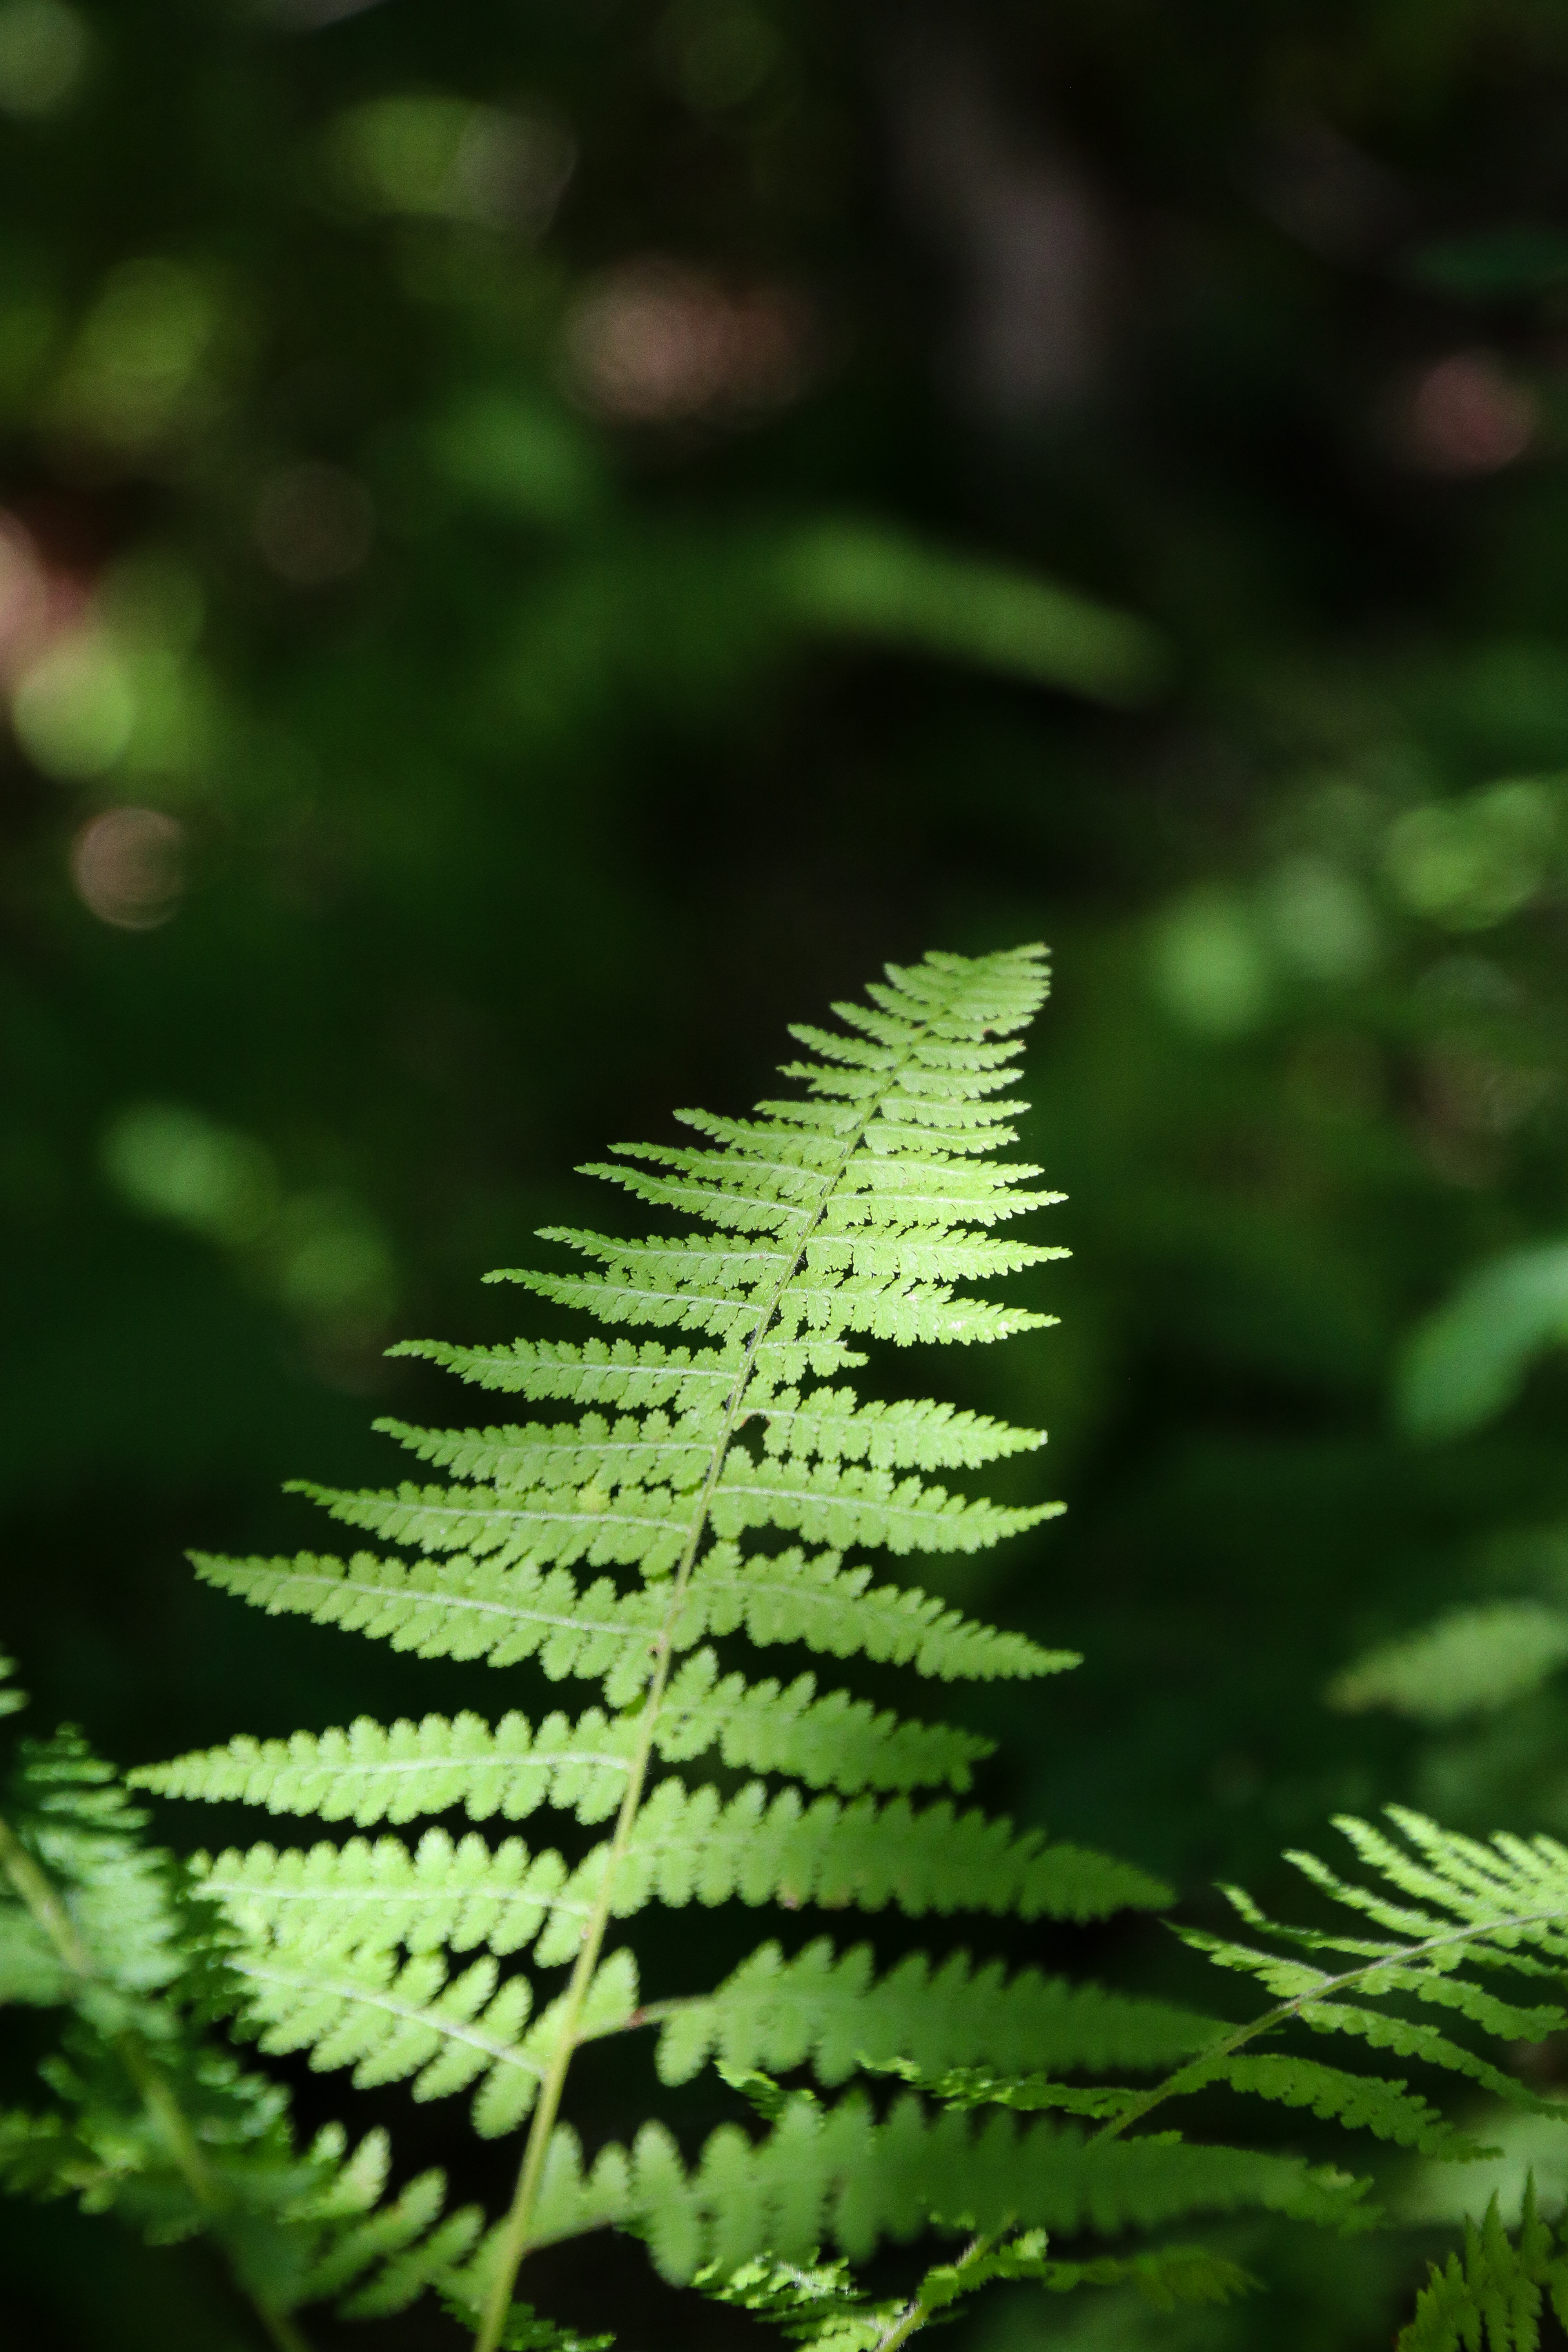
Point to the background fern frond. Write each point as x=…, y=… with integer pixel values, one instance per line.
x=148, y=2116
x=841, y=2174
x=1493, y=2295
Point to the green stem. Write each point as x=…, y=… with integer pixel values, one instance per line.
x=513, y=2242
x=33, y=1884
x=916, y=2313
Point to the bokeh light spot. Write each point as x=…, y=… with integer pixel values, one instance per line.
x=1467, y=864
x=24, y=591
x=715, y=54
x=656, y=341
x=43, y=48
x=75, y=707
x=333, y=1265
x=313, y=524
x=128, y=866
x=141, y=353
x=170, y=1161
x=443, y=158
x=1209, y=968
x=1319, y=921
x=1469, y=418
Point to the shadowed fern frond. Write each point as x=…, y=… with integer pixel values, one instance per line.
x=147, y=2113
x=1491, y=2300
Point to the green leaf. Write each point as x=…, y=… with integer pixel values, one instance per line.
x=1469, y=1662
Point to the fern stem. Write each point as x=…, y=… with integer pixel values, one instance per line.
x=513, y=2241
x=916, y=2313
x=32, y=1883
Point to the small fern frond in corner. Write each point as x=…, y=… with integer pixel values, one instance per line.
x=1453, y=1911
x=1494, y=2295
x=147, y=2113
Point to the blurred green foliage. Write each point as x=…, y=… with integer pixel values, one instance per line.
x=543, y=540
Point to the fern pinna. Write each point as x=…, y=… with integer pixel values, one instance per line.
x=710, y=1500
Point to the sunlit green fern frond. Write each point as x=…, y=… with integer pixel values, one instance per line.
x=713, y=1492
x=370, y=1773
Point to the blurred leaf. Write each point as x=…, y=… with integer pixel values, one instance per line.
x=1470, y=1661
x=1467, y=1363
x=867, y=580
x=1494, y=265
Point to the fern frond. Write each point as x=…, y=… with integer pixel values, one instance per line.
x=373, y=2257
x=460, y=1894
x=1166, y=2277
x=648, y=1530
x=631, y=1451
x=1494, y=2296
x=610, y=1521
x=688, y=1846
x=812, y=2302
x=373, y=1772
x=1453, y=1906
x=847, y=1505
x=841, y=2174
x=791, y=1596
x=626, y=1374
x=831, y=1742
x=85, y=1833
x=914, y=1434
x=1360, y=2102
x=1458, y=1903
x=695, y=1288
x=150, y=2119
x=860, y=1209
x=390, y=2022
x=460, y=1610
x=831, y=2010
x=12, y=1700
x=761, y=1191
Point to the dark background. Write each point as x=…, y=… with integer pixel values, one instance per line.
x=517, y=579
